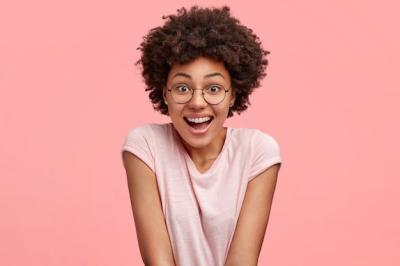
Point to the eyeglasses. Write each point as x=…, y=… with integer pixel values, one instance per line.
x=212, y=94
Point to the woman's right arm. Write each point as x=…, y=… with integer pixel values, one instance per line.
x=151, y=230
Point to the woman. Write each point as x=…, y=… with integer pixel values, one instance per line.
x=192, y=182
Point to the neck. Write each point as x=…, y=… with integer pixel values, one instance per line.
x=209, y=152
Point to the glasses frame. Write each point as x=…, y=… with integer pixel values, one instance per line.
x=202, y=94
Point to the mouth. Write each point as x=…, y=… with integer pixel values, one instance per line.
x=199, y=125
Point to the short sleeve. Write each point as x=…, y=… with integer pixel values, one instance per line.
x=264, y=152
x=138, y=141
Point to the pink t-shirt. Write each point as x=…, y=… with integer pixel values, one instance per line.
x=201, y=209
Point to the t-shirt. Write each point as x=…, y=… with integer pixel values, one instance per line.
x=201, y=209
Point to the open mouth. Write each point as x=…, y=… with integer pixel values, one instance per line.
x=200, y=125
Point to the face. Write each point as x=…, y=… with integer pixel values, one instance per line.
x=198, y=74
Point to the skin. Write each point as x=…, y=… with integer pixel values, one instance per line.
x=202, y=149
x=151, y=229
x=252, y=223
x=154, y=242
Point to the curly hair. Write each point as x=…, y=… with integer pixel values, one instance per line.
x=208, y=32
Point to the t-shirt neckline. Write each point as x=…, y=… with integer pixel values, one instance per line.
x=189, y=160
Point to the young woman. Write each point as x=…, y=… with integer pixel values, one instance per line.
x=201, y=193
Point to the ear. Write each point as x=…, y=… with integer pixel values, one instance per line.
x=165, y=95
x=232, y=102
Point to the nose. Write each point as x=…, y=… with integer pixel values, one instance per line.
x=197, y=99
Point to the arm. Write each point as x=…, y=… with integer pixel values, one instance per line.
x=154, y=243
x=253, y=219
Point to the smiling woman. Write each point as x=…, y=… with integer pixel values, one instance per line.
x=192, y=182
x=203, y=141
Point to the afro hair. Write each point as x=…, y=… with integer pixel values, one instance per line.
x=208, y=32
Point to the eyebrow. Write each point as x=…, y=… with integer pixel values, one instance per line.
x=206, y=76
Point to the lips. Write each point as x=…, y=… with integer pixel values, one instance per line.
x=199, y=127
x=198, y=116
x=197, y=121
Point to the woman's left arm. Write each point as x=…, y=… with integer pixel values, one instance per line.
x=253, y=219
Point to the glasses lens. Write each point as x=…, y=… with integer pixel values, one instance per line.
x=181, y=93
x=214, y=94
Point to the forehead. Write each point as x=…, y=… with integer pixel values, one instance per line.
x=199, y=68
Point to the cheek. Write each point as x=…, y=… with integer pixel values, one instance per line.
x=221, y=115
x=223, y=110
x=175, y=112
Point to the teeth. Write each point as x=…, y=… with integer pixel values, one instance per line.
x=198, y=120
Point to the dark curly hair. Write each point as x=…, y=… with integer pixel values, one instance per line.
x=208, y=32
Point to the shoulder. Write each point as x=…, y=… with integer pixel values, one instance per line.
x=260, y=149
x=253, y=137
x=143, y=141
x=146, y=136
x=148, y=131
x=261, y=137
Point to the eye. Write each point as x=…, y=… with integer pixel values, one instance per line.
x=214, y=89
x=182, y=88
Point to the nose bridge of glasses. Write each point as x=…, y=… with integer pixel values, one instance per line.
x=200, y=94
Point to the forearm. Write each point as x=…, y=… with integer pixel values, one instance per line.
x=158, y=256
x=159, y=262
x=239, y=254
x=240, y=260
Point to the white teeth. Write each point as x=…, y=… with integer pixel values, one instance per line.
x=198, y=120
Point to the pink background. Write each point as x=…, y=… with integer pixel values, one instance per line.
x=69, y=93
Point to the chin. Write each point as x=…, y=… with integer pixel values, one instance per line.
x=196, y=142
x=201, y=140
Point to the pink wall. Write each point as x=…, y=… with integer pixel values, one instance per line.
x=69, y=92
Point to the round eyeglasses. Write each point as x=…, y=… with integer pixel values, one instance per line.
x=212, y=94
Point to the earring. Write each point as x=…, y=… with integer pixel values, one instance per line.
x=166, y=102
